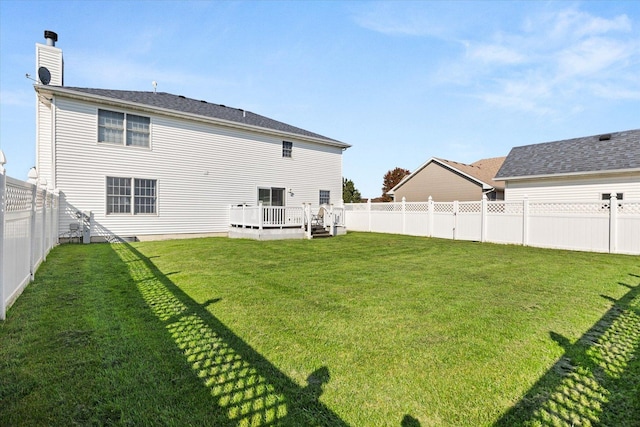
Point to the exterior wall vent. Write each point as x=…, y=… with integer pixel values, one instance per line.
x=605, y=137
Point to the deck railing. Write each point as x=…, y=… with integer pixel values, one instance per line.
x=262, y=217
x=266, y=216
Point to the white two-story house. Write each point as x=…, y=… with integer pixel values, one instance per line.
x=148, y=164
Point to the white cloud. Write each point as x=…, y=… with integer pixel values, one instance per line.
x=607, y=90
x=575, y=23
x=432, y=19
x=530, y=95
x=591, y=56
x=555, y=63
x=492, y=53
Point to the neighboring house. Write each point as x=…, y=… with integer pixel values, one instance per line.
x=578, y=169
x=446, y=181
x=149, y=164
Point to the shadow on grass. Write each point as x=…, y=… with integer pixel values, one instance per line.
x=249, y=390
x=409, y=421
x=597, y=381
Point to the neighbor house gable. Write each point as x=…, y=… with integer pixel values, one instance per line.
x=446, y=180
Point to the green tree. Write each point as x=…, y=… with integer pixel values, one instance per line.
x=350, y=193
x=390, y=180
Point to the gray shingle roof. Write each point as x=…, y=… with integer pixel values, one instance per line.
x=589, y=154
x=202, y=108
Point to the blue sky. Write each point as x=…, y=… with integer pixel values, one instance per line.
x=399, y=81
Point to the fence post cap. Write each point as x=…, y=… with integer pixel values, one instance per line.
x=33, y=175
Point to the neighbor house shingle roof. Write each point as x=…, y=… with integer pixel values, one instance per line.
x=618, y=151
x=181, y=104
x=483, y=170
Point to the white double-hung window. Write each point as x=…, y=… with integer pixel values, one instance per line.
x=123, y=194
x=287, y=148
x=112, y=126
x=325, y=197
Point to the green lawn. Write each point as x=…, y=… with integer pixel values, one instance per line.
x=359, y=330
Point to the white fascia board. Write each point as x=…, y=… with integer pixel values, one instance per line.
x=173, y=113
x=569, y=174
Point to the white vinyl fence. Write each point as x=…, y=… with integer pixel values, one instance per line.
x=28, y=231
x=587, y=226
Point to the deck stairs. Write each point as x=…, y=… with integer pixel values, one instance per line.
x=319, y=232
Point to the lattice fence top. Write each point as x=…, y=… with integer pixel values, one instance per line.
x=443, y=207
x=386, y=207
x=501, y=207
x=469, y=207
x=504, y=208
x=597, y=208
x=416, y=207
x=356, y=207
x=629, y=208
x=18, y=198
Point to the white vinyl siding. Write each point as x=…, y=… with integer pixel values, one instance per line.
x=44, y=151
x=203, y=169
x=585, y=188
x=51, y=58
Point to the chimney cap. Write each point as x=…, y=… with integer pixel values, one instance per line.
x=51, y=35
